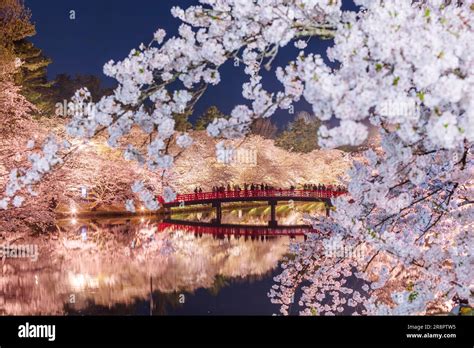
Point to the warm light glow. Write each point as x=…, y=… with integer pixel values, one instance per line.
x=142, y=220
x=142, y=208
x=73, y=210
x=74, y=221
x=83, y=281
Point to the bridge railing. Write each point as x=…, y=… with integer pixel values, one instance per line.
x=254, y=193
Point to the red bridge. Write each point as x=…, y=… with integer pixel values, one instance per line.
x=246, y=231
x=270, y=196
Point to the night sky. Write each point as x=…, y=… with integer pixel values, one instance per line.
x=104, y=30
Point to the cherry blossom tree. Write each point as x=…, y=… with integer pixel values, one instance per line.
x=13, y=115
x=404, y=67
x=410, y=202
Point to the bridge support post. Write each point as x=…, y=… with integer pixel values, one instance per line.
x=273, y=221
x=328, y=208
x=218, y=218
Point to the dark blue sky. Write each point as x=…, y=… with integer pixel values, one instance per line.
x=105, y=30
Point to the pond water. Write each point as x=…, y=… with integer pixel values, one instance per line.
x=144, y=266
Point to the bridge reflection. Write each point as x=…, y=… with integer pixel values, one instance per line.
x=236, y=230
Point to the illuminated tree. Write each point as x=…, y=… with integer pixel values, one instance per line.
x=211, y=114
x=301, y=136
x=263, y=127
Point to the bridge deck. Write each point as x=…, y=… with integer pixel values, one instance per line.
x=252, y=195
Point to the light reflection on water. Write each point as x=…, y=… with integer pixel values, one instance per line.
x=132, y=266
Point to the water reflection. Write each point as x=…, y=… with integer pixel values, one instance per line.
x=139, y=265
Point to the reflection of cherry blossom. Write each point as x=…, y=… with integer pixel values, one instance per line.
x=176, y=261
